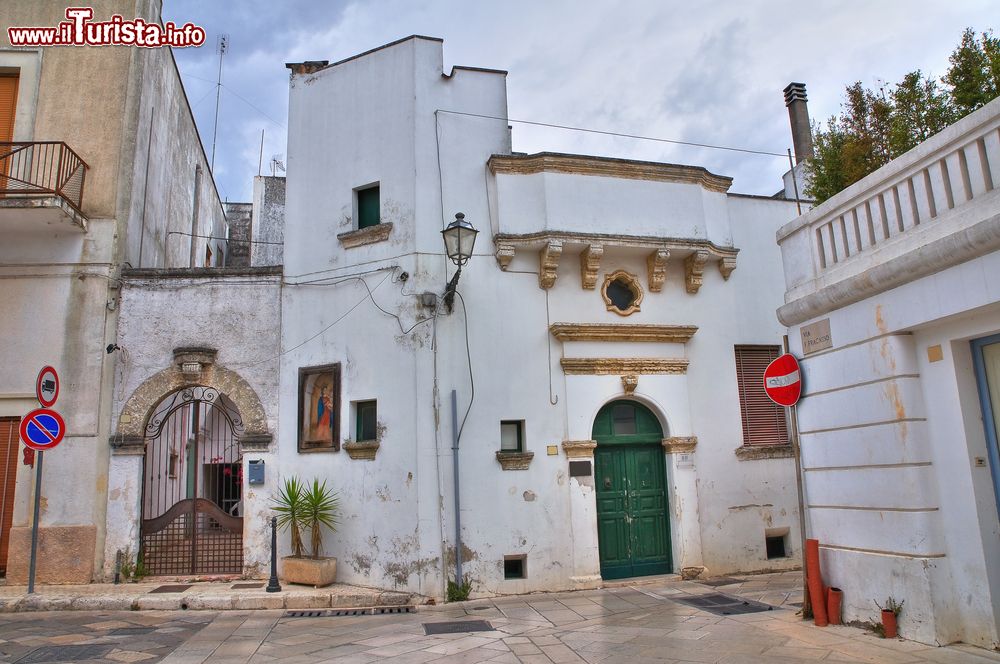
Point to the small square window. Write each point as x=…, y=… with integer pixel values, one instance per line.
x=368, y=207
x=514, y=567
x=775, y=547
x=367, y=420
x=512, y=436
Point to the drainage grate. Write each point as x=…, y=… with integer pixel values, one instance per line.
x=362, y=611
x=720, y=581
x=132, y=631
x=65, y=654
x=246, y=586
x=170, y=589
x=723, y=605
x=457, y=627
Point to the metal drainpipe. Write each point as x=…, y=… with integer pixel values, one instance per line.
x=458, y=502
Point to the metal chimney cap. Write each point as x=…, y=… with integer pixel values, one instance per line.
x=795, y=92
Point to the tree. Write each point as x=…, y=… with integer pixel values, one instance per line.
x=875, y=127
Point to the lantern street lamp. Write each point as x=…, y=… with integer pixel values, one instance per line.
x=459, y=238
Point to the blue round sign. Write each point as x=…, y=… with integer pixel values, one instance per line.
x=42, y=429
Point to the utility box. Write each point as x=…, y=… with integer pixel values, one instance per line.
x=255, y=471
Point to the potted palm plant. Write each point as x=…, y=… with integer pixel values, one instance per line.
x=307, y=506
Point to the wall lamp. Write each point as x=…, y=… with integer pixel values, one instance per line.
x=459, y=239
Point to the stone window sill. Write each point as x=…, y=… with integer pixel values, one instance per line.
x=370, y=235
x=362, y=449
x=759, y=452
x=515, y=460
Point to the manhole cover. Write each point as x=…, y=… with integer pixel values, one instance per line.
x=723, y=605
x=457, y=627
x=720, y=581
x=66, y=654
x=129, y=631
x=246, y=586
x=170, y=589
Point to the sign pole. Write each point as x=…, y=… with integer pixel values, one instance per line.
x=797, y=453
x=34, y=523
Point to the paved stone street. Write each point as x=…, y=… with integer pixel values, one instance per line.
x=631, y=623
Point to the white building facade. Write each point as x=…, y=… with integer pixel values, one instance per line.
x=893, y=303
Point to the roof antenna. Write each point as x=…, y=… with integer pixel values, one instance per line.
x=223, y=47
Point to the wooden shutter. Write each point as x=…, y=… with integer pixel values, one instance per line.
x=764, y=421
x=9, y=445
x=8, y=102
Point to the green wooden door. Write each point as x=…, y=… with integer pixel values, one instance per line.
x=630, y=476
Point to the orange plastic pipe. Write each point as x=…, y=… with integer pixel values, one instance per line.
x=817, y=596
x=834, y=598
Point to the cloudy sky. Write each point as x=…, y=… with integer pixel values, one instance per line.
x=698, y=71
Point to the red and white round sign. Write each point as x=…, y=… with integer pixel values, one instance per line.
x=783, y=381
x=47, y=387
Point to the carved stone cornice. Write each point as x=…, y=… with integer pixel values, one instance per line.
x=590, y=263
x=694, y=268
x=515, y=460
x=255, y=443
x=504, y=255
x=622, y=332
x=679, y=444
x=554, y=162
x=362, y=450
x=548, y=263
x=579, y=449
x=599, y=366
x=127, y=445
x=656, y=268
x=363, y=236
x=761, y=452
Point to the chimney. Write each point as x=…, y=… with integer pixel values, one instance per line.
x=798, y=117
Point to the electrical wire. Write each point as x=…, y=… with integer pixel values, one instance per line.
x=615, y=133
x=215, y=237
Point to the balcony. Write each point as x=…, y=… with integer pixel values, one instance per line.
x=41, y=186
x=936, y=206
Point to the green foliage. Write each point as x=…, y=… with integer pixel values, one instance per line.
x=459, y=593
x=891, y=605
x=306, y=506
x=290, y=506
x=131, y=570
x=875, y=127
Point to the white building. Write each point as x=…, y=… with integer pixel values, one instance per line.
x=894, y=303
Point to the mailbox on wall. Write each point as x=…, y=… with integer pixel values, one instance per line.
x=255, y=474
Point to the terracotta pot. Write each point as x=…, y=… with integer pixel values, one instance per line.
x=889, y=624
x=834, y=597
x=817, y=595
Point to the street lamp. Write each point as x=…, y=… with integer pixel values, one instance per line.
x=459, y=238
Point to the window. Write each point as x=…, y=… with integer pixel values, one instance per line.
x=367, y=420
x=512, y=436
x=368, y=207
x=622, y=293
x=514, y=566
x=775, y=547
x=623, y=419
x=764, y=421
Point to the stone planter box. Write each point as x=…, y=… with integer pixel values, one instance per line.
x=316, y=572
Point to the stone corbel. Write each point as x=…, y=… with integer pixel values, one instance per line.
x=365, y=449
x=515, y=460
x=694, y=268
x=590, y=263
x=679, y=444
x=255, y=442
x=548, y=263
x=656, y=267
x=127, y=445
x=504, y=255
x=629, y=383
x=726, y=266
x=579, y=449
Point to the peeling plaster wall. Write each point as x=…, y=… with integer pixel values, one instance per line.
x=268, y=226
x=239, y=217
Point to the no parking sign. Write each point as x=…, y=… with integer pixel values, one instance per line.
x=42, y=429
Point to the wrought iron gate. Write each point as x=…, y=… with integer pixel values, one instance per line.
x=192, y=520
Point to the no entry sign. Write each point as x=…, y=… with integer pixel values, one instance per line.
x=47, y=387
x=783, y=381
x=42, y=429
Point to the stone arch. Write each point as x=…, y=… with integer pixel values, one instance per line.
x=192, y=367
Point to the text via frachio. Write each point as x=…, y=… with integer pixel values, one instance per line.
x=79, y=30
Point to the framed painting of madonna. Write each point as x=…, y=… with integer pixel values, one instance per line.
x=319, y=408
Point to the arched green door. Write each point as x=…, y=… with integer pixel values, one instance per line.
x=630, y=476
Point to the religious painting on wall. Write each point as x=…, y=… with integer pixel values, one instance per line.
x=319, y=408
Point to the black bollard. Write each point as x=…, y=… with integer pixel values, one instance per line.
x=272, y=584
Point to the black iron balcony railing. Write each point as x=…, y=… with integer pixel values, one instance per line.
x=40, y=169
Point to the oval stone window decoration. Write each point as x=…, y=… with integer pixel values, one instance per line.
x=621, y=292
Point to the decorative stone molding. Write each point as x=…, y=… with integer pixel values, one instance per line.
x=579, y=449
x=679, y=444
x=127, y=445
x=362, y=449
x=629, y=383
x=678, y=334
x=758, y=452
x=597, y=366
x=632, y=282
x=363, y=236
x=554, y=162
x=656, y=269
x=694, y=268
x=199, y=355
x=548, y=263
x=255, y=443
x=515, y=460
x=504, y=255
x=726, y=266
x=590, y=263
